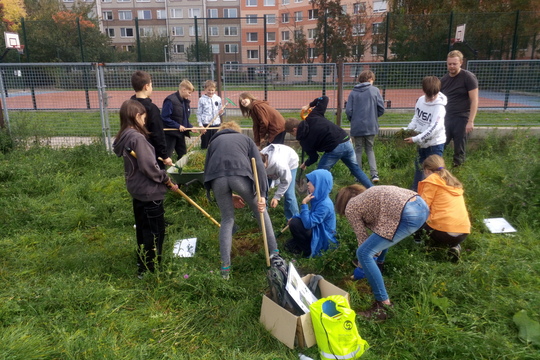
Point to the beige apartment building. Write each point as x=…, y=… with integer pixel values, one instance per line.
x=235, y=29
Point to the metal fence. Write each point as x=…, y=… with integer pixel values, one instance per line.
x=75, y=103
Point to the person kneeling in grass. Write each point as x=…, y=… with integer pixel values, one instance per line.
x=448, y=223
x=392, y=214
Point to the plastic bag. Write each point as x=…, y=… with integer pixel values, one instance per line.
x=334, y=324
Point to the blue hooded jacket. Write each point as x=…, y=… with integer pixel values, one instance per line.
x=321, y=219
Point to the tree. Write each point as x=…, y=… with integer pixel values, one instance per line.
x=204, y=51
x=153, y=48
x=296, y=51
x=334, y=28
x=11, y=13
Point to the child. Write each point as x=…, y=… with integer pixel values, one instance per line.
x=281, y=162
x=142, y=84
x=146, y=183
x=268, y=123
x=175, y=115
x=448, y=221
x=209, y=109
x=428, y=120
x=318, y=134
x=313, y=230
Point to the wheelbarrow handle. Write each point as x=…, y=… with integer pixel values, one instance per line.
x=178, y=191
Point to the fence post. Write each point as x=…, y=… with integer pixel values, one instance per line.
x=325, y=53
x=26, y=48
x=137, y=37
x=450, y=33
x=339, y=107
x=265, y=50
x=515, y=40
x=103, y=106
x=3, y=104
x=386, y=37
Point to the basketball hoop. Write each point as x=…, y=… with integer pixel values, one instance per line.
x=19, y=48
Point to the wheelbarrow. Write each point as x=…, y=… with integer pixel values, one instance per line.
x=185, y=178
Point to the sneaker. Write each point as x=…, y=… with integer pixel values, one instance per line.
x=378, y=311
x=454, y=252
x=226, y=272
x=375, y=179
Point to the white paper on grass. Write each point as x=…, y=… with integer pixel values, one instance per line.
x=298, y=290
x=499, y=225
x=185, y=247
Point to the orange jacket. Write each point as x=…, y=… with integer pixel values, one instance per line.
x=447, y=211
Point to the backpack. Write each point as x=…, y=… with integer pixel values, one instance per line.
x=277, y=279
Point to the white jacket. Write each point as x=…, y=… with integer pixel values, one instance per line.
x=208, y=108
x=281, y=160
x=428, y=120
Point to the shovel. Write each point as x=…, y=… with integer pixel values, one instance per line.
x=263, y=227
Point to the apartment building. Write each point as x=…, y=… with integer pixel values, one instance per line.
x=235, y=29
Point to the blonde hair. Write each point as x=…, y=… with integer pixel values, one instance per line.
x=345, y=194
x=245, y=95
x=186, y=84
x=435, y=163
x=209, y=84
x=456, y=53
x=233, y=125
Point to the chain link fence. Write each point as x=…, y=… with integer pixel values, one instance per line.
x=76, y=103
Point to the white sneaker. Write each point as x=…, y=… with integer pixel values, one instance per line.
x=375, y=179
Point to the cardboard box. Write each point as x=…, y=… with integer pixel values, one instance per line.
x=287, y=327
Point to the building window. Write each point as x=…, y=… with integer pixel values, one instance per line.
x=298, y=1
x=231, y=48
x=380, y=6
x=179, y=48
x=108, y=15
x=126, y=32
x=285, y=2
x=110, y=32
x=251, y=19
x=312, y=33
x=177, y=13
x=251, y=3
x=253, y=54
x=145, y=31
x=359, y=30
x=252, y=36
x=269, y=3
x=125, y=15
x=312, y=53
x=270, y=18
x=177, y=31
x=231, y=31
x=285, y=36
x=215, y=48
x=359, y=8
x=144, y=14
x=192, y=31
x=298, y=34
x=312, y=14
x=213, y=31
x=106, y=1
x=143, y=0
x=378, y=28
x=377, y=50
x=194, y=12
x=127, y=47
x=161, y=14
x=213, y=13
x=160, y=30
x=123, y=1
x=271, y=37
x=298, y=71
x=344, y=9
x=284, y=18
x=286, y=70
x=230, y=13
x=297, y=16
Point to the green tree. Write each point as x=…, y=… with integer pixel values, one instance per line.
x=204, y=51
x=296, y=51
x=153, y=48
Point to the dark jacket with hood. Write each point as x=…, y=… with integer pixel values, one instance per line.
x=144, y=179
x=364, y=107
x=317, y=133
x=321, y=219
x=229, y=154
x=154, y=125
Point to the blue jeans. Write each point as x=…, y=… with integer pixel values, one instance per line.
x=345, y=152
x=414, y=214
x=423, y=154
x=290, y=204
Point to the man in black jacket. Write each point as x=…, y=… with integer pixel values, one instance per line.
x=318, y=134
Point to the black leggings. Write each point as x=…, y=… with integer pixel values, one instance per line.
x=150, y=228
x=440, y=237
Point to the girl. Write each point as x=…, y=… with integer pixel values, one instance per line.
x=145, y=182
x=209, y=109
x=448, y=221
x=392, y=214
x=281, y=163
x=268, y=123
x=314, y=229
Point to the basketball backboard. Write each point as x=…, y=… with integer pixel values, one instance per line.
x=460, y=33
x=12, y=40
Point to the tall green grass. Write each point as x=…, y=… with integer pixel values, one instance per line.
x=69, y=290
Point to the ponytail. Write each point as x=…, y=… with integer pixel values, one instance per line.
x=435, y=163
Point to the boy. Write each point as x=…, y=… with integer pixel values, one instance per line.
x=364, y=107
x=209, y=109
x=318, y=134
x=175, y=115
x=428, y=120
x=142, y=84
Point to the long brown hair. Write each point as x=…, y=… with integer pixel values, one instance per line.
x=345, y=194
x=435, y=163
x=128, y=117
x=245, y=111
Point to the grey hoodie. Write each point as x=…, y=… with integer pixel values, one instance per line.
x=144, y=179
x=364, y=106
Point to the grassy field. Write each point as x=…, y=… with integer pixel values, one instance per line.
x=70, y=291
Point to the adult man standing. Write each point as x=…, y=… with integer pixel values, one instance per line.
x=364, y=107
x=461, y=88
